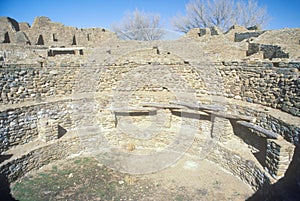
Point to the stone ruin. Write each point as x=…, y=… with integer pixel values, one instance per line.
x=61, y=86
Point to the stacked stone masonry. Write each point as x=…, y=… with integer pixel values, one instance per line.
x=276, y=87
x=20, y=125
x=46, y=32
x=279, y=155
x=46, y=95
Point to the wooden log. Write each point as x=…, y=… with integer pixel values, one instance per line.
x=267, y=133
x=197, y=106
x=134, y=110
x=214, y=110
x=236, y=117
x=190, y=112
x=162, y=105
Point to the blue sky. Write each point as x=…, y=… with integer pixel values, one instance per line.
x=102, y=13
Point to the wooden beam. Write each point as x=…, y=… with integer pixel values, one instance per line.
x=236, y=117
x=267, y=133
x=190, y=111
x=133, y=110
x=162, y=105
x=214, y=110
x=197, y=106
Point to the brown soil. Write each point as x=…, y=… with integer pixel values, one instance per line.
x=84, y=178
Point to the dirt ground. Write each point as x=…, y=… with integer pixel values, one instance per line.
x=84, y=178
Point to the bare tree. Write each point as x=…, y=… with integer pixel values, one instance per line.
x=138, y=25
x=220, y=13
x=251, y=14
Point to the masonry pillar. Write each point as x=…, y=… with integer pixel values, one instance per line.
x=48, y=129
x=163, y=118
x=278, y=157
x=222, y=129
x=108, y=119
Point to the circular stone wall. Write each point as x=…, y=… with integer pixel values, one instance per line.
x=153, y=113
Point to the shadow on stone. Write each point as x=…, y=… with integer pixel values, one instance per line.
x=257, y=143
x=5, y=157
x=61, y=131
x=5, y=192
x=191, y=115
x=151, y=113
x=287, y=188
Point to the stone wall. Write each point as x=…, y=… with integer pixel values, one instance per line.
x=20, y=125
x=278, y=157
x=262, y=83
x=41, y=95
x=36, y=158
x=269, y=51
x=34, y=84
x=290, y=131
x=16, y=55
x=238, y=37
x=200, y=32
x=48, y=33
x=37, y=84
x=246, y=170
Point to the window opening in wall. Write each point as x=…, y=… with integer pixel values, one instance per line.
x=275, y=64
x=88, y=37
x=60, y=51
x=74, y=40
x=6, y=38
x=54, y=37
x=40, y=40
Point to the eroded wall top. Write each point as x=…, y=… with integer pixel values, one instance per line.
x=236, y=44
x=45, y=32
